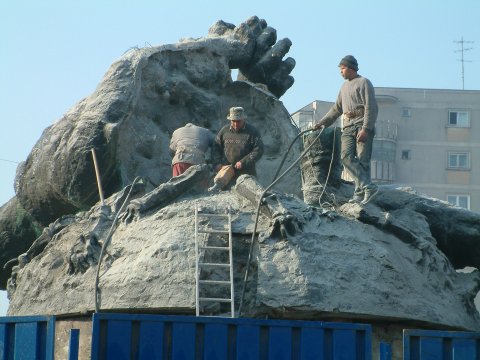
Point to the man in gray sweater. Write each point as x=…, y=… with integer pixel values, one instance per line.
x=188, y=147
x=358, y=107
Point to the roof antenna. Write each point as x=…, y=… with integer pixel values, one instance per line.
x=462, y=50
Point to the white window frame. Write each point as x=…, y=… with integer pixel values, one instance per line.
x=464, y=119
x=455, y=165
x=454, y=199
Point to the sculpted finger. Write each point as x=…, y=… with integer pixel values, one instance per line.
x=281, y=48
x=265, y=41
x=220, y=28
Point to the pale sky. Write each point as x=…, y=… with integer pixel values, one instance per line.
x=54, y=53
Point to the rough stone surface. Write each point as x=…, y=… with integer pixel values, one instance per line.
x=393, y=259
x=142, y=99
x=129, y=119
x=17, y=231
x=454, y=230
x=330, y=264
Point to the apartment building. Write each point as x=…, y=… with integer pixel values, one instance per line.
x=428, y=139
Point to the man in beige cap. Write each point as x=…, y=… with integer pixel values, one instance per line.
x=238, y=144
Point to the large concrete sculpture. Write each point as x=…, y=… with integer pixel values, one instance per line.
x=391, y=260
x=128, y=120
x=365, y=263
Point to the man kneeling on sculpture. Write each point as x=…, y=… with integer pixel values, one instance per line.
x=238, y=146
x=188, y=147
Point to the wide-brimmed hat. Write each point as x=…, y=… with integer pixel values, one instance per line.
x=237, y=113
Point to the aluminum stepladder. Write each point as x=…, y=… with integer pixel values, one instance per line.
x=203, y=246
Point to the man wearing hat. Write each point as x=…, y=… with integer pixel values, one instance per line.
x=357, y=105
x=239, y=144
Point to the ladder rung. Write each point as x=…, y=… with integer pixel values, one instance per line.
x=213, y=264
x=223, y=227
x=225, y=282
x=212, y=215
x=214, y=247
x=215, y=299
x=213, y=231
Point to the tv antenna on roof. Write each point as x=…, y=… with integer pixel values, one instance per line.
x=462, y=50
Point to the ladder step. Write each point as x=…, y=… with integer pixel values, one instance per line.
x=225, y=282
x=212, y=215
x=214, y=264
x=214, y=247
x=213, y=226
x=212, y=231
x=215, y=300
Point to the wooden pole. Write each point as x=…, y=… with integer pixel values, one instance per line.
x=97, y=174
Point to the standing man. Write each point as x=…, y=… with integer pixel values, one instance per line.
x=358, y=107
x=188, y=147
x=239, y=144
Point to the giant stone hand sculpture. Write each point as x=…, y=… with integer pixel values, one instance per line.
x=262, y=62
x=142, y=99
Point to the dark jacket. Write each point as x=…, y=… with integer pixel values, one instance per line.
x=244, y=145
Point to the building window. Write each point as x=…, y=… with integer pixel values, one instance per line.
x=458, y=119
x=383, y=150
x=405, y=154
x=305, y=120
x=406, y=113
x=462, y=201
x=458, y=160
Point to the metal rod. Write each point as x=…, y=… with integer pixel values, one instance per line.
x=197, y=270
x=230, y=246
x=97, y=174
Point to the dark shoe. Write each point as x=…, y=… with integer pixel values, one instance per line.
x=369, y=195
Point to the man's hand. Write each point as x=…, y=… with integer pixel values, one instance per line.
x=318, y=126
x=238, y=165
x=362, y=135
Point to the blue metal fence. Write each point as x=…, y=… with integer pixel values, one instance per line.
x=141, y=337
x=127, y=336
x=439, y=345
x=27, y=338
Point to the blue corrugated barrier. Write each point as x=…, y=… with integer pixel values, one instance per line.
x=27, y=338
x=439, y=345
x=130, y=336
x=73, y=344
x=385, y=350
x=141, y=337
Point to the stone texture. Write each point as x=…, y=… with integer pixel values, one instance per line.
x=144, y=96
x=128, y=120
x=393, y=259
x=17, y=231
x=332, y=265
x=456, y=231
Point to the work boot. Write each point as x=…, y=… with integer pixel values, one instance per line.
x=369, y=195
